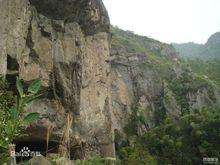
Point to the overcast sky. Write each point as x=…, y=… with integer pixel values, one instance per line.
x=167, y=20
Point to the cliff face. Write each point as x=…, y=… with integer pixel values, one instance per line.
x=152, y=76
x=140, y=66
x=66, y=45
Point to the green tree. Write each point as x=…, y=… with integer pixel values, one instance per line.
x=195, y=136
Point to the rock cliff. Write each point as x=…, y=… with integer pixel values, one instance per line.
x=66, y=45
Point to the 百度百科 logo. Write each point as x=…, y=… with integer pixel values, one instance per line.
x=25, y=152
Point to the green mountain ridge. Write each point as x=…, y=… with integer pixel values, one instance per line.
x=207, y=51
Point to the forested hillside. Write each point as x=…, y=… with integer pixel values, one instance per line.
x=175, y=117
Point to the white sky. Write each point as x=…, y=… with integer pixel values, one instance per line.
x=167, y=20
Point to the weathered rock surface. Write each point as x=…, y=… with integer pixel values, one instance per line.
x=134, y=84
x=39, y=160
x=66, y=45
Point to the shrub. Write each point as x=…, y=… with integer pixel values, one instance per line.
x=136, y=155
x=14, y=116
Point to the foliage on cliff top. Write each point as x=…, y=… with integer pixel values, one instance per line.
x=130, y=41
x=209, y=69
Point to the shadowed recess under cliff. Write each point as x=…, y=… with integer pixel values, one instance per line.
x=90, y=14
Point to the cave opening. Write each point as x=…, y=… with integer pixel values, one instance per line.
x=12, y=71
x=12, y=63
